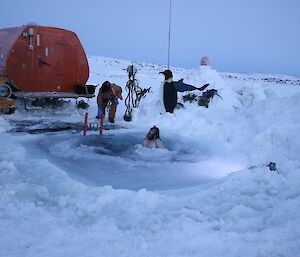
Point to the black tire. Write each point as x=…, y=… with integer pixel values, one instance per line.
x=5, y=91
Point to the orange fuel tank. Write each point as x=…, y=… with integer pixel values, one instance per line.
x=43, y=60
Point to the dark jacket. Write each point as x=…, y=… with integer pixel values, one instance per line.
x=103, y=98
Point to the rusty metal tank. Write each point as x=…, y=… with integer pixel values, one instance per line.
x=43, y=61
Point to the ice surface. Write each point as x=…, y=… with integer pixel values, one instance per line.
x=65, y=195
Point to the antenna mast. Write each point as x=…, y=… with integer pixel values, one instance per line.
x=169, y=43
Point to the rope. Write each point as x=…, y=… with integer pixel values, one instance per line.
x=135, y=93
x=132, y=101
x=271, y=165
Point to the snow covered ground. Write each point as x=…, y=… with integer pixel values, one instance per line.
x=62, y=194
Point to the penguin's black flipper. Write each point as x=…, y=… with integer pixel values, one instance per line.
x=182, y=87
x=203, y=87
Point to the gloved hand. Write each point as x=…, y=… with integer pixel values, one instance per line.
x=116, y=101
x=99, y=114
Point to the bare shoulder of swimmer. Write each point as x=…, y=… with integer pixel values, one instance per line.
x=159, y=143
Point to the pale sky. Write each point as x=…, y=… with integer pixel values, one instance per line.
x=237, y=35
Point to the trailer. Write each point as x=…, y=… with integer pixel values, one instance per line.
x=42, y=62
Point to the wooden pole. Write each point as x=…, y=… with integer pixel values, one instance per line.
x=85, y=123
x=101, y=124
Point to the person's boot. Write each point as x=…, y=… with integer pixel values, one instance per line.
x=111, y=120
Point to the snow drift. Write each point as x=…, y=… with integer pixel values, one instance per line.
x=46, y=211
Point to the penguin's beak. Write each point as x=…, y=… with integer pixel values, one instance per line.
x=162, y=72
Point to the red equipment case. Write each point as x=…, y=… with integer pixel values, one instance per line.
x=43, y=62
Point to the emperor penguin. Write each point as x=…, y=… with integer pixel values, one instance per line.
x=168, y=92
x=169, y=89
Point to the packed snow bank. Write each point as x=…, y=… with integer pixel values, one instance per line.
x=45, y=213
x=250, y=120
x=252, y=212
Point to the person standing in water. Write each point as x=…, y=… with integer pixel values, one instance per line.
x=152, y=139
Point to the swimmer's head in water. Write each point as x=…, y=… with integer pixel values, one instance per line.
x=153, y=133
